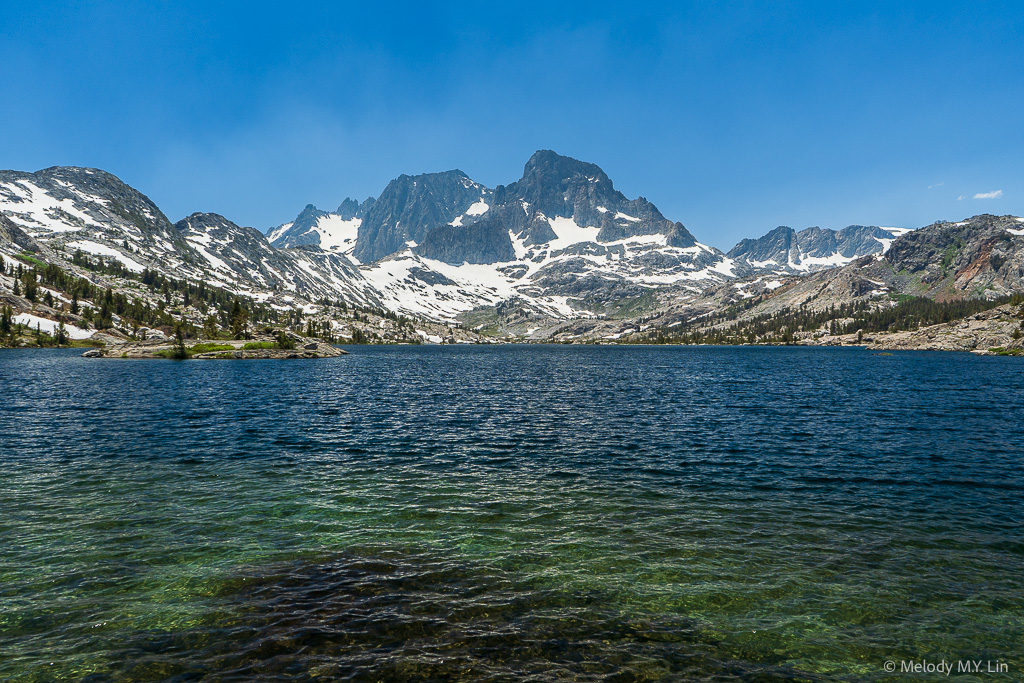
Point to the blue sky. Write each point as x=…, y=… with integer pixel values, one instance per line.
x=731, y=117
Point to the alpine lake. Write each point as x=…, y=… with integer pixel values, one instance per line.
x=507, y=513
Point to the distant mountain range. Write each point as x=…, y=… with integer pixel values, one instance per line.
x=786, y=251
x=560, y=243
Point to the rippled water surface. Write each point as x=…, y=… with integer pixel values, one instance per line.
x=510, y=513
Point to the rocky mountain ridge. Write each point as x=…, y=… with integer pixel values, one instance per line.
x=561, y=239
x=558, y=252
x=980, y=259
x=786, y=251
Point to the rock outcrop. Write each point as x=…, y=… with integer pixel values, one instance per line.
x=993, y=331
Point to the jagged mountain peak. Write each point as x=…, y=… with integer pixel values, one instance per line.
x=351, y=208
x=556, y=186
x=546, y=164
x=309, y=214
x=412, y=206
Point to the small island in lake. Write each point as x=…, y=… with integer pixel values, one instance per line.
x=285, y=345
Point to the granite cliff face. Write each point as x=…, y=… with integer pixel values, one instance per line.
x=482, y=242
x=981, y=256
x=9, y=232
x=411, y=206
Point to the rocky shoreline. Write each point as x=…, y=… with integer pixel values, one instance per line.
x=993, y=332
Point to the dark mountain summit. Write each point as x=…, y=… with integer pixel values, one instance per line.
x=552, y=187
x=410, y=207
x=558, y=186
x=350, y=208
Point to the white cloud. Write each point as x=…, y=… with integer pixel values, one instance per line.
x=940, y=184
x=961, y=198
x=995, y=194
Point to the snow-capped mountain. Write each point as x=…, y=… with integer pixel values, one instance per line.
x=67, y=202
x=786, y=251
x=88, y=210
x=238, y=256
x=561, y=241
x=331, y=231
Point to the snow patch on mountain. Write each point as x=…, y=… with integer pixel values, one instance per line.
x=895, y=232
x=336, y=233
x=50, y=326
x=807, y=263
x=276, y=233
x=97, y=249
x=475, y=210
x=570, y=233
x=39, y=212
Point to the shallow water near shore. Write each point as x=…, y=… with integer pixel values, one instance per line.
x=510, y=513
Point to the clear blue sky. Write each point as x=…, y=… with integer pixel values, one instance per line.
x=731, y=117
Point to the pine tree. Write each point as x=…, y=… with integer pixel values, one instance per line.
x=239, y=319
x=74, y=304
x=179, y=352
x=284, y=341
x=31, y=288
x=210, y=327
x=106, y=318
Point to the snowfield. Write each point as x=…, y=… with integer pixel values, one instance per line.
x=97, y=249
x=50, y=326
